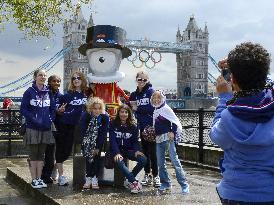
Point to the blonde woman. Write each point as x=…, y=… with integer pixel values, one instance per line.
x=140, y=102
x=73, y=102
x=94, y=127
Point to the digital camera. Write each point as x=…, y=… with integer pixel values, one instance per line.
x=226, y=74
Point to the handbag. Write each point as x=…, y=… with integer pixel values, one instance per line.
x=149, y=134
x=22, y=129
x=109, y=160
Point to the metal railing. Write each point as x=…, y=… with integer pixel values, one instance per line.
x=196, y=123
x=10, y=124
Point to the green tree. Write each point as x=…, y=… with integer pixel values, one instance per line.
x=37, y=17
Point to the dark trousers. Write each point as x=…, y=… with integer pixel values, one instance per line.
x=64, y=142
x=233, y=202
x=49, y=161
x=92, y=168
x=149, y=149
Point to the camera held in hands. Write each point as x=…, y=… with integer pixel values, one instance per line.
x=226, y=74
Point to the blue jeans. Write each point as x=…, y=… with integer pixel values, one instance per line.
x=141, y=162
x=164, y=177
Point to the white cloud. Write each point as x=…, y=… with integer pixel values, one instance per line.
x=24, y=65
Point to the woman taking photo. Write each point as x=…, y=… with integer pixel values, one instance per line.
x=38, y=108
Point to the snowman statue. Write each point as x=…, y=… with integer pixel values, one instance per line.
x=105, y=49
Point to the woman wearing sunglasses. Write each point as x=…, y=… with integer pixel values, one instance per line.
x=73, y=102
x=140, y=103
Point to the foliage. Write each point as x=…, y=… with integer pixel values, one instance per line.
x=37, y=17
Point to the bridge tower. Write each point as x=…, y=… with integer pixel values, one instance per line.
x=192, y=66
x=75, y=32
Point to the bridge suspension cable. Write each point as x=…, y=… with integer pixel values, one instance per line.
x=31, y=73
x=210, y=77
x=214, y=62
x=27, y=79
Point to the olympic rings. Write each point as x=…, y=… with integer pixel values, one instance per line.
x=144, y=59
x=153, y=58
x=139, y=66
x=150, y=67
x=144, y=56
x=130, y=59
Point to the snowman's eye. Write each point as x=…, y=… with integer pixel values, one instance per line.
x=102, y=59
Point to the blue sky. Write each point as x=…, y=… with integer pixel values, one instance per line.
x=229, y=23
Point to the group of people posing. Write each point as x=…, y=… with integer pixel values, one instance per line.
x=243, y=127
x=51, y=120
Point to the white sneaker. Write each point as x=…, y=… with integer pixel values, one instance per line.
x=127, y=184
x=35, y=184
x=94, y=183
x=41, y=183
x=54, y=174
x=62, y=181
x=147, y=180
x=88, y=183
x=156, y=181
x=135, y=187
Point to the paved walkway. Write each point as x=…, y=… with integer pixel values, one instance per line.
x=9, y=194
x=202, y=189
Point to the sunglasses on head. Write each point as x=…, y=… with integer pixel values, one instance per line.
x=141, y=80
x=76, y=78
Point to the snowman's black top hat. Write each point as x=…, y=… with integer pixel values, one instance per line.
x=105, y=36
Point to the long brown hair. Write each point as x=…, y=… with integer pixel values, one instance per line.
x=71, y=86
x=130, y=120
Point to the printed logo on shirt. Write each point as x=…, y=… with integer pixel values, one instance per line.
x=40, y=103
x=78, y=101
x=123, y=135
x=143, y=101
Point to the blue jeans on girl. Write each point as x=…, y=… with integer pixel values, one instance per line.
x=164, y=176
x=141, y=162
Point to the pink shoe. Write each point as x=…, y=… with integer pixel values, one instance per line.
x=135, y=187
x=88, y=183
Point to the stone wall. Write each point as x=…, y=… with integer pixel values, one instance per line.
x=211, y=156
x=17, y=148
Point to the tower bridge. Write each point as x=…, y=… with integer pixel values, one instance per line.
x=159, y=46
x=190, y=48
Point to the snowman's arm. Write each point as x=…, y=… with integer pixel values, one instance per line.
x=122, y=93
